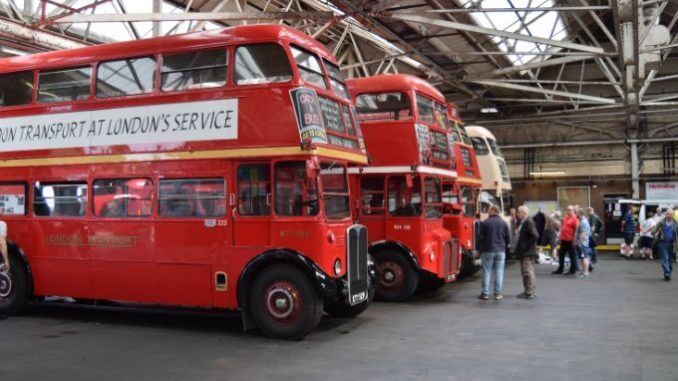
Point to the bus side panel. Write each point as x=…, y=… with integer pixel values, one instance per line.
x=58, y=257
x=185, y=250
x=122, y=260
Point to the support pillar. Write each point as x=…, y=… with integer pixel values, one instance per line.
x=635, y=171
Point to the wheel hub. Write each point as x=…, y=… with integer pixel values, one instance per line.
x=282, y=301
x=5, y=286
x=393, y=276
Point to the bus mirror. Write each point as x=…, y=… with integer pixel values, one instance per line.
x=409, y=182
x=312, y=169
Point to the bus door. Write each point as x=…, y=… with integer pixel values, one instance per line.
x=120, y=240
x=252, y=210
x=373, y=205
x=191, y=236
x=404, y=211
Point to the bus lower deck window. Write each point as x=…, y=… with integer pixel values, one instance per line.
x=60, y=199
x=254, y=188
x=261, y=63
x=295, y=194
x=194, y=70
x=125, y=77
x=16, y=89
x=197, y=198
x=122, y=198
x=372, y=195
x=404, y=199
x=64, y=85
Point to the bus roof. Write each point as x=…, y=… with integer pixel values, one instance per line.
x=165, y=44
x=394, y=82
x=480, y=131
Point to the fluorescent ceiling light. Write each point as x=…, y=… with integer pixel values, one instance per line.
x=489, y=110
x=547, y=173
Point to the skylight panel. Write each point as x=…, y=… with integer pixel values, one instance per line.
x=546, y=24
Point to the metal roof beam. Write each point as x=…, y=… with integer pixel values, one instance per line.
x=194, y=16
x=496, y=32
x=512, y=86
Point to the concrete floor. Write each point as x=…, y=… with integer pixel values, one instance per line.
x=622, y=324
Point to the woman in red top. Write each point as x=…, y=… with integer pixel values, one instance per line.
x=567, y=232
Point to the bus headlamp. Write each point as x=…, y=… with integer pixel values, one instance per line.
x=337, y=267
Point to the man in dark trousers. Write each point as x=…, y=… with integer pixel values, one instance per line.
x=494, y=237
x=526, y=251
x=567, y=232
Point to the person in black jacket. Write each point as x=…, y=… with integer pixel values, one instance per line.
x=526, y=251
x=493, y=239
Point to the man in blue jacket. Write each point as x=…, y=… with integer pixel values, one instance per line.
x=494, y=237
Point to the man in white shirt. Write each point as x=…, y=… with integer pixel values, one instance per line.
x=646, y=240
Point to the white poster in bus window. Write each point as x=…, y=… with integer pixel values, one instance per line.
x=164, y=123
x=309, y=119
x=423, y=139
x=12, y=199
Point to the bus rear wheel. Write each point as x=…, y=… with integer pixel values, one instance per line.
x=284, y=303
x=398, y=279
x=13, y=289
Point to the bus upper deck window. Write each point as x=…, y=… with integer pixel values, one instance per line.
x=64, y=85
x=193, y=70
x=264, y=63
x=336, y=79
x=383, y=106
x=426, y=112
x=309, y=68
x=16, y=88
x=125, y=77
x=494, y=147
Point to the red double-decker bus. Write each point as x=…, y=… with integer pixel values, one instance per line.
x=399, y=195
x=205, y=170
x=461, y=195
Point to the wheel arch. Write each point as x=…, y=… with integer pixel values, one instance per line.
x=399, y=247
x=14, y=250
x=322, y=283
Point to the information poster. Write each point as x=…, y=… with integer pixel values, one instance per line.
x=12, y=200
x=424, y=143
x=661, y=190
x=308, y=114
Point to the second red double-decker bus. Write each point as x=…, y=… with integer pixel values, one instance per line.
x=206, y=170
x=460, y=196
x=399, y=195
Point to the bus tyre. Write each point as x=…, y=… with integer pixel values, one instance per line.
x=14, y=289
x=284, y=303
x=398, y=279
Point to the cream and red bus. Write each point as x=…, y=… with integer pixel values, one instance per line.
x=496, y=188
x=206, y=170
x=399, y=194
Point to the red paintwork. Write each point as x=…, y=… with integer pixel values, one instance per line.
x=172, y=261
x=394, y=143
x=459, y=223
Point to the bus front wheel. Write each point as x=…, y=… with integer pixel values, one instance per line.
x=284, y=303
x=398, y=279
x=13, y=288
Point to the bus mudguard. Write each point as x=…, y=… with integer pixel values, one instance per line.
x=396, y=246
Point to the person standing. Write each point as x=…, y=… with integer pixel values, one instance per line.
x=596, y=229
x=4, y=266
x=494, y=237
x=666, y=232
x=582, y=244
x=646, y=241
x=629, y=230
x=526, y=251
x=567, y=231
x=512, y=217
x=539, y=219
